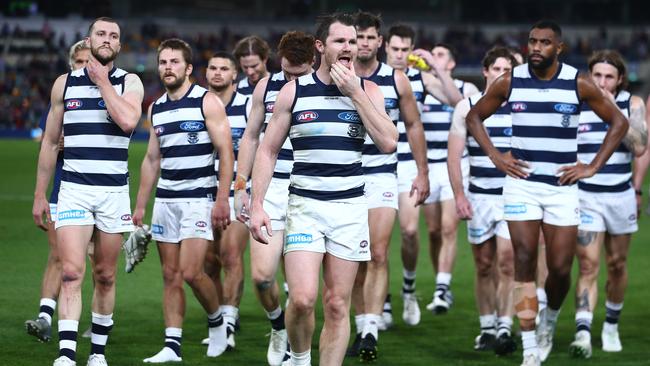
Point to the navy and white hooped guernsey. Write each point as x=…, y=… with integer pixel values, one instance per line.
x=96, y=148
x=237, y=112
x=284, y=163
x=246, y=88
x=417, y=86
x=545, y=116
x=616, y=174
x=484, y=177
x=375, y=161
x=327, y=135
x=187, y=153
x=436, y=121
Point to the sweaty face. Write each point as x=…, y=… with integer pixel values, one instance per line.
x=104, y=41
x=340, y=45
x=543, y=48
x=368, y=42
x=80, y=59
x=292, y=72
x=606, y=77
x=500, y=66
x=253, y=67
x=397, y=49
x=172, y=69
x=221, y=73
x=442, y=58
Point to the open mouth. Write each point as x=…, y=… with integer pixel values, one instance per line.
x=345, y=60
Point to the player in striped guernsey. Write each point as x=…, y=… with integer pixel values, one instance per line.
x=327, y=115
x=187, y=125
x=99, y=106
x=227, y=253
x=486, y=228
x=542, y=169
x=251, y=53
x=41, y=327
x=608, y=207
x=399, y=45
x=296, y=51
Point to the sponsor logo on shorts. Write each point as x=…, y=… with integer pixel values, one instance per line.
x=632, y=217
x=354, y=130
x=159, y=130
x=518, y=107
x=586, y=218
x=390, y=103
x=388, y=194
x=192, y=137
x=192, y=126
x=518, y=208
x=565, y=108
x=71, y=214
x=306, y=116
x=363, y=244
x=157, y=229
x=269, y=107
x=126, y=217
x=74, y=104
x=101, y=103
x=349, y=116
x=300, y=238
x=476, y=233
x=201, y=224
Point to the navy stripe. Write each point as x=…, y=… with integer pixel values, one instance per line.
x=435, y=161
x=319, y=90
x=76, y=129
x=436, y=144
x=209, y=192
x=477, y=151
x=56, y=182
x=616, y=168
x=476, y=189
x=67, y=335
x=435, y=126
x=548, y=179
x=436, y=108
x=387, y=168
x=327, y=170
x=499, y=131
x=184, y=102
x=285, y=154
x=84, y=80
x=593, y=148
x=532, y=83
x=281, y=175
x=403, y=138
x=371, y=149
x=545, y=156
x=67, y=352
x=326, y=143
x=213, y=323
x=565, y=133
x=95, y=179
x=328, y=195
x=621, y=104
x=186, y=150
x=405, y=157
x=326, y=115
x=189, y=173
x=597, y=188
x=101, y=329
x=95, y=153
x=481, y=172
x=84, y=104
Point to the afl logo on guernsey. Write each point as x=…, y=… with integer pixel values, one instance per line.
x=565, y=108
x=584, y=127
x=518, y=107
x=159, y=130
x=349, y=116
x=307, y=116
x=270, y=107
x=192, y=126
x=73, y=104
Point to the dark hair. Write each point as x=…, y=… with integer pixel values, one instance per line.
x=402, y=31
x=325, y=21
x=226, y=55
x=179, y=45
x=297, y=47
x=101, y=19
x=448, y=47
x=548, y=24
x=614, y=58
x=494, y=53
x=364, y=20
x=252, y=45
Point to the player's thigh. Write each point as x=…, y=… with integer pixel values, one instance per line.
x=338, y=276
x=302, y=271
x=192, y=254
x=72, y=244
x=560, y=246
x=106, y=250
x=380, y=224
x=265, y=258
x=432, y=216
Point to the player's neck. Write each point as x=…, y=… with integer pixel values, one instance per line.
x=226, y=94
x=323, y=74
x=366, y=69
x=251, y=83
x=180, y=92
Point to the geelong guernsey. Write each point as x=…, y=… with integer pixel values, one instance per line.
x=327, y=135
x=237, y=113
x=417, y=86
x=284, y=163
x=96, y=148
x=187, y=154
x=244, y=87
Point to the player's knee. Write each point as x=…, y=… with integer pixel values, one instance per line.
x=170, y=274
x=263, y=284
x=335, y=308
x=379, y=256
x=302, y=303
x=616, y=265
x=449, y=230
x=588, y=268
x=484, y=267
x=231, y=259
x=191, y=276
x=410, y=234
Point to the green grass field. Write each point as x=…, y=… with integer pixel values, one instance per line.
x=138, y=331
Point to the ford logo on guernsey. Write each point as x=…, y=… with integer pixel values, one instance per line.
x=159, y=130
x=518, y=107
x=565, y=108
x=192, y=126
x=101, y=103
x=349, y=116
x=73, y=104
x=507, y=131
x=390, y=103
x=307, y=116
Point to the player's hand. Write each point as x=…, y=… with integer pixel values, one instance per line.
x=242, y=203
x=97, y=72
x=463, y=207
x=220, y=214
x=138, y=216
x=260, y=219
x=420, y=186
x=41, y=213
x=571, y=174
x=434, y=67
x=507, y=163
x=345, y=79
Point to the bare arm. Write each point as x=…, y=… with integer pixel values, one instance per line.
x=149, y=170
x=636, y=139
x=216, y=122
x=641, y=164
x=125, y=110
x=455, y=147
x=48, y=153
x=250, y=140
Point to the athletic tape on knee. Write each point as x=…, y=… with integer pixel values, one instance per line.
x=525, y=299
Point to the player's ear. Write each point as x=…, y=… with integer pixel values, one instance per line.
x=188, y=70
x=319, y=45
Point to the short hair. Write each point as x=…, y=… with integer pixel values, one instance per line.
x=548, y=24
x=226, y=55
x=325, y=21
x=402, y=31
x=101, y=19
x=451, y=49
x=297, y=47
x=494, y=53
x=179, y=45
x=251, y=45
x=81, y=45
x=364, y=20
x=610, y=57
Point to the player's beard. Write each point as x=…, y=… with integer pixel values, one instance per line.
x=544, y=64
x=104, y=60
x=220, y=87
x=366, y=58
x=177, y=83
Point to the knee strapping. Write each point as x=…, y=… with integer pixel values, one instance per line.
x=525, y=299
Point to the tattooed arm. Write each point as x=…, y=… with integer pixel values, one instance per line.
x=636, y=139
